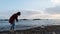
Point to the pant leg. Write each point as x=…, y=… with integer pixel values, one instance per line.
x=12, y=26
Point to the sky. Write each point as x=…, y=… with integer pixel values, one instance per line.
x=30, y=9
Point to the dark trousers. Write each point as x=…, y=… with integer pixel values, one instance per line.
x=12, y=26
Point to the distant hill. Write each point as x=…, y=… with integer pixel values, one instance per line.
x=36, y=19
x=19, y=19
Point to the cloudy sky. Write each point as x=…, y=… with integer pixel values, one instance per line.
x=30, y=9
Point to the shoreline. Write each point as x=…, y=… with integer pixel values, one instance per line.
x=39, y=30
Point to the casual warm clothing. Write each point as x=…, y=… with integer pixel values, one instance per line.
x=13, y=18
x=11, y=21
x=12, y=26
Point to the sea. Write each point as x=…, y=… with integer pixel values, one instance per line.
x=27, y=24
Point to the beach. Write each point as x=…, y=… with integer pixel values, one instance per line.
x=43, y=26
x=30, y=16
x=53, y=29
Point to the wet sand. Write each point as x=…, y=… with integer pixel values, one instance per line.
x=53, y=29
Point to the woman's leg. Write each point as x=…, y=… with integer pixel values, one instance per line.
x=12, y=26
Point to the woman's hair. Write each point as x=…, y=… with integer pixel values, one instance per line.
x=18, y=13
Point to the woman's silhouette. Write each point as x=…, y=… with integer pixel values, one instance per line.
x=12, y=20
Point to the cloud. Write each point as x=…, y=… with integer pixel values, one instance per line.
x=53, y=10
x=31, y=14
x=5, y=14
x=39, y=16
x=55, y=1
x=42, y=14
x=34, y=14
x=55, y=16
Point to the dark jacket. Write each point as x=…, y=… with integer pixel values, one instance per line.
x=13, y=18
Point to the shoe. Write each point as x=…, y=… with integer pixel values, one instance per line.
x=11, y=30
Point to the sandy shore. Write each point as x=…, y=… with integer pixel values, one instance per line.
x=53, y=29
